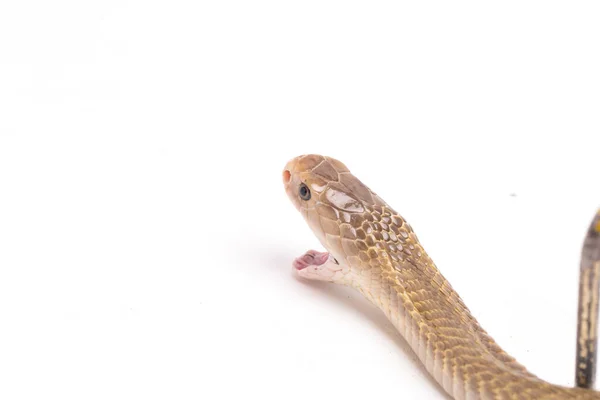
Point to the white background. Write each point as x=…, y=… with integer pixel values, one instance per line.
x=145, y=239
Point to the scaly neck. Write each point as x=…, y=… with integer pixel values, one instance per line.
x=454, y=348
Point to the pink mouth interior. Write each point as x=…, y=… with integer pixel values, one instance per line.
x=311, y=257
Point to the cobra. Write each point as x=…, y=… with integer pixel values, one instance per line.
x=373, y=249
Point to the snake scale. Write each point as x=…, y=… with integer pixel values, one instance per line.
x=373, y=249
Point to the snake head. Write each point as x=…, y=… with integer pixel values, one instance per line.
x=336, y=205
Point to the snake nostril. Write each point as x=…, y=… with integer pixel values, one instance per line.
x=286, y=176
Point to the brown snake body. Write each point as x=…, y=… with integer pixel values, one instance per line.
x=373, y=249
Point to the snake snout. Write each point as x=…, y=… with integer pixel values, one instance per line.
x=287, y=176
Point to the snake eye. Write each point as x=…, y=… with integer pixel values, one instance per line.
x=304, y=192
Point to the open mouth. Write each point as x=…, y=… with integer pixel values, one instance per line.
x=312, y=258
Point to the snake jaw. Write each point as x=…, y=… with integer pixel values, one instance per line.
x=321, y=266
x=311, y=258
